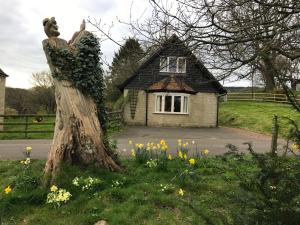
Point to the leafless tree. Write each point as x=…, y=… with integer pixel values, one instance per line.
x=42, y=79
x=232, y=37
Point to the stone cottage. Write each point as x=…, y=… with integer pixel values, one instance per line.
x=172, y=87
x=2, y=95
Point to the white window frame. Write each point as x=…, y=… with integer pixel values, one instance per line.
x=163, y=94
x=167, y=69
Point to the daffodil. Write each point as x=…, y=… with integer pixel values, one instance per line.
x=133, y=152
x=192, y=161
x=185, y=156
x=7, y=190
x=130, y=142
x=205, y=152
x=169, y=157
x=180, y=155
x=28, y=149
x=180, y=192
x=295, y=147
x=162, y=142
x=53, y=188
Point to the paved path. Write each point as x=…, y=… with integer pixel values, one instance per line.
x=214, y=139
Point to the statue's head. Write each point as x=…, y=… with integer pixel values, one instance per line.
x=50, y=27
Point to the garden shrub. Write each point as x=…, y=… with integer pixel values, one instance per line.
x=270, y=193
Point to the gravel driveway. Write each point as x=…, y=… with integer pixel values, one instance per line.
x=213, y=139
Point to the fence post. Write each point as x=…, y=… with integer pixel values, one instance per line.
x=275, y=129
x=26, y=126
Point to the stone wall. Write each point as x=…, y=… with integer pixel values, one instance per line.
x=2, y=99
x=202, y=112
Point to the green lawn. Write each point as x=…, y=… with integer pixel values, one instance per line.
x=218, y=190
x=112, y=128
x=34, y=127
x=256, y=116
x=210, y=195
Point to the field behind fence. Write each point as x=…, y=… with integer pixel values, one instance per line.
x=41, y=126
x=259, y=97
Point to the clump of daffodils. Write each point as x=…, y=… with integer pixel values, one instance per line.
x=27, y=154
x=86, y=183
x=58, y=196
x=151, y=154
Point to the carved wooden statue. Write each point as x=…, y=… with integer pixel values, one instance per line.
x=78, y=137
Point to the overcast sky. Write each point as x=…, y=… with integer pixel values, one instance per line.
x=21, y=30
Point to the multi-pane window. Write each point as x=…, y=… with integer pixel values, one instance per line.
x=173, y=64
x=171, y=103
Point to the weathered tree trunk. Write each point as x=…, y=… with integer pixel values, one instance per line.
x=78, y=134
x=268, y=74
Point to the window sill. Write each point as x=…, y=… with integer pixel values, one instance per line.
x=171, y=73
x=171, y=113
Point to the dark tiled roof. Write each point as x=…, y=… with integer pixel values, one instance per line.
x=172, y=84
x=2, y=74
x=197, y=76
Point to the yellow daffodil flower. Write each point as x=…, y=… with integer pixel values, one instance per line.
x=295, y=147
x=133, y=152
x=7, y=190
x=53, y=188
x=169, y=157
x=28, y=149
x=180, y=192
x=130, y=142
x=162, y=142
x=192, y=161
x=205, y=151
x=185, y=156
x=180, y=155
x=184, y=145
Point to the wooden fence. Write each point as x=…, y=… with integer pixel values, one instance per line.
x=260, y=97
x=30, y=123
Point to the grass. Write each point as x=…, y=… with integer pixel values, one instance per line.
x=209, y=195
x=256, y=116
x=34, y=127
x=112, y=128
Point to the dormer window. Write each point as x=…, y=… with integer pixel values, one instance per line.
x=172, y=64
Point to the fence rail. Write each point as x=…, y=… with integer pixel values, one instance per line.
x=29, y=123
x=262, y=97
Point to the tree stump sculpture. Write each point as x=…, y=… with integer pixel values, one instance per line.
x=78, y=136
